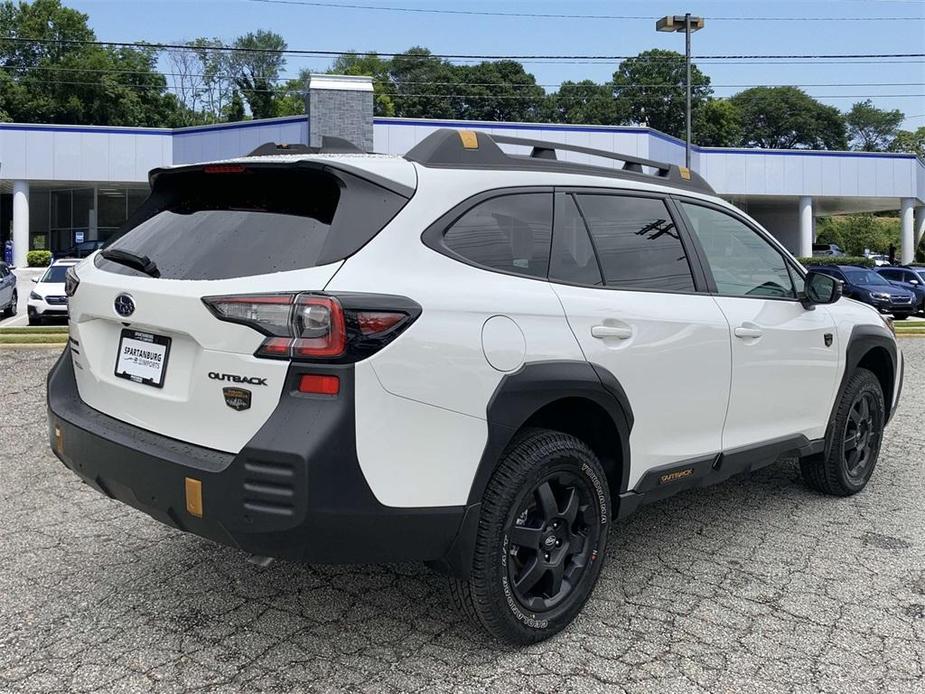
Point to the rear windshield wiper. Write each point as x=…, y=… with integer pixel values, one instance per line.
x=139, y=262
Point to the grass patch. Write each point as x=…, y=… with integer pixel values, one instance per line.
x=50, y=330
x=33, y=339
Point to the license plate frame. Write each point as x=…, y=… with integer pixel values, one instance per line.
x=143, y=374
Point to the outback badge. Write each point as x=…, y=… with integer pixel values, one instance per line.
x=237, y=398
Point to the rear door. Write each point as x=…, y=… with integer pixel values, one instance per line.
x=638, y=307
x=784, y=356
x=148, y=351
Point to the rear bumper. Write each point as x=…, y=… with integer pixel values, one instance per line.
x=295, y=491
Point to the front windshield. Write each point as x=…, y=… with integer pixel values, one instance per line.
x=864, y=277
x=55, y=274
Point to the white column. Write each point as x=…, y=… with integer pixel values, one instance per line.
x=20, y=222
x=919, y=224
x=806, y=226
x=907, y=252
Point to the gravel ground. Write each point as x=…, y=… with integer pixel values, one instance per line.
x=754, y=585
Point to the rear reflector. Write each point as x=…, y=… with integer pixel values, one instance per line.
x=193, y=489
x=319, y=385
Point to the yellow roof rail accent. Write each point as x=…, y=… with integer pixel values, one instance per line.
x=469, y=139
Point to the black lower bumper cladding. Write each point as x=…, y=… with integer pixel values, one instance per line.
x=295, y=491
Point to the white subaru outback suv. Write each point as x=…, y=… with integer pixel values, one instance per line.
x=465, y=356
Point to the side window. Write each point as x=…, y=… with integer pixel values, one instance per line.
x=511, y=233
x=637, y=243
x=742, y=262
x=573, y=259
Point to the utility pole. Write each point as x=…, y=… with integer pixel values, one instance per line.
x=687, y=24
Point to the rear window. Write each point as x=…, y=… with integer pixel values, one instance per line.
x=264, y=219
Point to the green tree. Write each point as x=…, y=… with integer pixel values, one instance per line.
x=856, y=233
x=788, y=118
x=872, y=129
x=717, y=123
x=52, y=81
x=499, y=90
x=371, y=65
x=910, y=141
x=256, y=67
x=652, y=87
x=425, y=86
x=585, y=102
x=234, y=110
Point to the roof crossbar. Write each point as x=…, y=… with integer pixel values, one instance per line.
x=630, y=163
x=473, y=149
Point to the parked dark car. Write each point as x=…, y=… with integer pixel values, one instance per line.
x=908, y=279
x=865, y=284
x=827, y=249
x=80, y=250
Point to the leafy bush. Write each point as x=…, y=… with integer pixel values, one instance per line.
x=837, y=260
x=38, y=258
x=856, y=233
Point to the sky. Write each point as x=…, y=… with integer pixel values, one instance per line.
x=839, y=83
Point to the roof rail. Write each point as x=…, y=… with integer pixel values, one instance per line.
x=329, y=145
x=474, y=149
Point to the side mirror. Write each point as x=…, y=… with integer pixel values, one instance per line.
x=821, y=289
x=35, y=280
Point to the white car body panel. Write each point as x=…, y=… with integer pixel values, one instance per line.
x=414, y=454
x=674, y=368
x=784, y=381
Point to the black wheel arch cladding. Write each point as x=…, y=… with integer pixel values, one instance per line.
x=524, y=393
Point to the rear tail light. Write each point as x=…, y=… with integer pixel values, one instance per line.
x=71, y=281
x=323, y=327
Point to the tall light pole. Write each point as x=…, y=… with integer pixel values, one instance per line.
x=688, y=25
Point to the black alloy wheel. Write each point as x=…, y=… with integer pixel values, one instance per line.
x=551, y=537
x=853, y=440
x=861, y=438
x=541, y=539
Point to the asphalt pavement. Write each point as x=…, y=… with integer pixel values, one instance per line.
x=756, y=585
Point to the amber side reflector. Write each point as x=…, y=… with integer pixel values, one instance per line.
x=469, y=139
x=59, y=440
x=685, y=172
x=193, y=497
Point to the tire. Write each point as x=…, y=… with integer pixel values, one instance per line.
x=11, y=309
x=550, y=493
x=34, y=319
x=902, y=316
x=853, y=443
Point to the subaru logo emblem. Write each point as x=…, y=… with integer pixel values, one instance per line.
x=124, y=305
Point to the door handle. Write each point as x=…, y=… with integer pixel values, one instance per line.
x=745, y=331
x=620, y=332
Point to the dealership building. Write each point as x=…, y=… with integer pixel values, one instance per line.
x=63, y=184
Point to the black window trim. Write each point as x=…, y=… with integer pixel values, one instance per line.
x=704, y=261
x=694, y=261
x=434, y=235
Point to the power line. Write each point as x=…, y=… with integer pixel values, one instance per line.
x=552, y=15
x=118, y=71
x=458, y=56
x=405, y=95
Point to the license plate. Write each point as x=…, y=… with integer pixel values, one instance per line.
x=143, y=357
